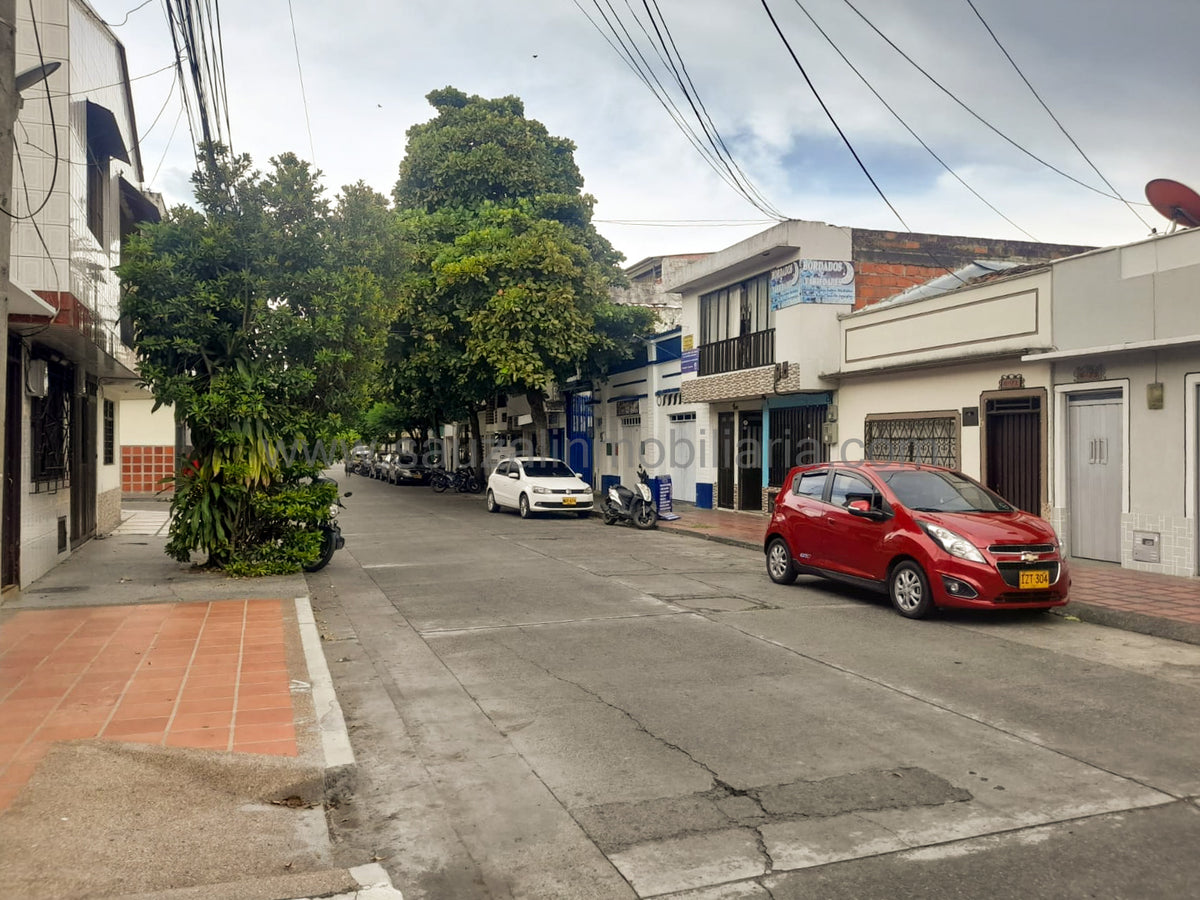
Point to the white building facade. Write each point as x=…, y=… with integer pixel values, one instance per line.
x=76, y=195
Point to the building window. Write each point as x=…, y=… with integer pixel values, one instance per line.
x=110, y=432
x=930, y=438
x=96, y=172
x=50, y=428
x=750, y=300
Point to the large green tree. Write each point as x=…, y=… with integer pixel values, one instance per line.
x=255, y=317
x=506, y=281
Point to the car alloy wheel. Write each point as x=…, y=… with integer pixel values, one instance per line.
x=779, y=562
x=908, y=589
x=492, y=505
x=524, y=507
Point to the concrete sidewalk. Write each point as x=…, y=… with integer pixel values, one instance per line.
x=168, y=733
x=1103, y=593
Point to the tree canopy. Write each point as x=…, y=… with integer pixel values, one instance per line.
x=261, y=318
x=506, y=281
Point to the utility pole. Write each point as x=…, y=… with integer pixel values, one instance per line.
x=8, y=115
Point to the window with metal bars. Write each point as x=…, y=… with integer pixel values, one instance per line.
x=930, y=438
x=50, y=430
x=110, y=432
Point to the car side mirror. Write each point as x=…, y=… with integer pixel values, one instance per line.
x=513, y=475
x=862, y=509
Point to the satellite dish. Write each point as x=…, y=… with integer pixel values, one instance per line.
x=1176, y=201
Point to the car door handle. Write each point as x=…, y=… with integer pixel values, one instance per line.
x=812, y=513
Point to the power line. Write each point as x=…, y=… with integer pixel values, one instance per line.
x=303, y=96
x=972, y=112
x=128, y=14
x=906, y=126
x=630, y=51
x=1053, y=117
x=830, y=116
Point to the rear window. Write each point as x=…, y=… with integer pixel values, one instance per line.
x=810, y=484
x=547, y=468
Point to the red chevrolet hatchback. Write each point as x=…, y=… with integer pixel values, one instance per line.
x=925, y=535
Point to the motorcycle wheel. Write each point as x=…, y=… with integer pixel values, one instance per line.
x=645, y=516
x=328, y=545
x=610, y=518
x=438, y=483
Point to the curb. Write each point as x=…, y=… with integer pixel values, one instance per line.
x=335, y=739
x=1140, y=623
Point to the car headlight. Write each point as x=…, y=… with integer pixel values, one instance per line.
x=953, y=543
x=540, y=490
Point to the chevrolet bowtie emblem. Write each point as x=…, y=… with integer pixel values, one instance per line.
x=1029, y=557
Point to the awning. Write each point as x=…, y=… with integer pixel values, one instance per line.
x=103, y=135
x=137, y=206
x=627, y=397
x=24, y=302
x=673, y=390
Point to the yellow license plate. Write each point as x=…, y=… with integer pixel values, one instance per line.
x=1032, y=579
x=568, y=501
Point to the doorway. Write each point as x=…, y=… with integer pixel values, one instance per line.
x=13, y=417
x=1094, y=474
x=750, y=461
x=83, y=465
x=1014, y=448
x=726, y=458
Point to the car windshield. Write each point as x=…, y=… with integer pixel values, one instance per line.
x=929, y=491
x=547, y=468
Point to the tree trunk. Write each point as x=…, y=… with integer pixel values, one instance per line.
x=541, y=431
x=477, y=440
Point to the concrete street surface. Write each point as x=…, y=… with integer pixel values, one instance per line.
x=555, y=708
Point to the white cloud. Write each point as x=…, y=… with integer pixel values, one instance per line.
x=1121, y=76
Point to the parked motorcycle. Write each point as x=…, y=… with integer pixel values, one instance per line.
x=331, y=532
x=634, y=504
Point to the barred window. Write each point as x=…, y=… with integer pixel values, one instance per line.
x=110, y=432
x=50, y=428
x=930, y=438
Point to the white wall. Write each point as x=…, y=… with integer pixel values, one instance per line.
x=949, y=387
x=138, y=426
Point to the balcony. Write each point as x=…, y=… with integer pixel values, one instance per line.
x=749, y=351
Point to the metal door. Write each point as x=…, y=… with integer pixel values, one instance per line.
x=726, y=455
x=579, y=435
x=15, y=415
x=750, y=461
x=683, y=456
x=1014, y=451
x=83, y=465
x=1094, y=467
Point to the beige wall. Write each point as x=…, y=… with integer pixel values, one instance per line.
x=949, y=387
x=137, y=425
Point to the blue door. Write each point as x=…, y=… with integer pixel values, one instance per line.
x=579, y=434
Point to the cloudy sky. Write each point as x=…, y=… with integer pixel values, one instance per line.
x=1123, y=78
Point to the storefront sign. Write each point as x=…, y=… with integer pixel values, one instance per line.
x=689, y=341
x=1012, y=382
x=628, y=408
x=1093, y=372
x=689, y=361
x=812, y=281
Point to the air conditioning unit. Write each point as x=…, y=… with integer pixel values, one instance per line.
x=37, y=378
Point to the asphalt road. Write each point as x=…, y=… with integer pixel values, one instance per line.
x=555, y=708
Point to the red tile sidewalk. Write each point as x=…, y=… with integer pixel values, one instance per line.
x=1139, y=601
x=204, y=675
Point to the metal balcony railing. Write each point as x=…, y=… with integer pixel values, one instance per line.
x=745, y=352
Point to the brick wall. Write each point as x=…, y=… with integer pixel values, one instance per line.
x=877, y=281
x=887, y=262
x=144, y=466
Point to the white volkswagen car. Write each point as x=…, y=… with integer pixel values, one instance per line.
x=531, y=484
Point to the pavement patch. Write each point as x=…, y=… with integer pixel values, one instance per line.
x=859, y=791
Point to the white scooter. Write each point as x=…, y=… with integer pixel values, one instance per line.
x=634, y=505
